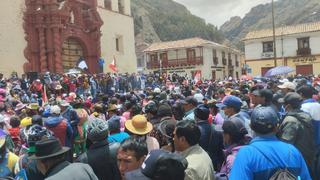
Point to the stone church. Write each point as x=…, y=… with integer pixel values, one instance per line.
x=52, y=35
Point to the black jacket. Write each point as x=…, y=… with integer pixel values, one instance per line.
x=102, y=158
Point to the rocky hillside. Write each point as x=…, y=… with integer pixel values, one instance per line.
x=287, y=12
x=166, y=20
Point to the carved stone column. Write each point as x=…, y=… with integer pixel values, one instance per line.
x=57, y=50
x=42, y=47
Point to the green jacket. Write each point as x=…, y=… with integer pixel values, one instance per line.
x=297, y=129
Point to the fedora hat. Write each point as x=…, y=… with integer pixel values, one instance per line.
x=20, y=106
x=112, y=107
x=139, y=125
x=48, y=148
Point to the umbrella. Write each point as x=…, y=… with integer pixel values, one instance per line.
x=279, y=70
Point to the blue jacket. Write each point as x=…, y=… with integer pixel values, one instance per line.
x=251, y=164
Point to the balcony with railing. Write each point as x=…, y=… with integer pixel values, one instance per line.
x=303, y=51
x=175, y=63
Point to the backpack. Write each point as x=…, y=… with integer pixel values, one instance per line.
x=281, y=173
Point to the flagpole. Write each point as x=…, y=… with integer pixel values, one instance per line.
x=274, y=37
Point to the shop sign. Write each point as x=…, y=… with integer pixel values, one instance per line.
x=309, y=59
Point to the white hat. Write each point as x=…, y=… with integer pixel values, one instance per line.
x=157, y=90
x=55, y=109
x=287, y=85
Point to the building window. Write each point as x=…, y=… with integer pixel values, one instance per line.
x=303, y=47
x=229, y=59
x=154, y=57
x=214, y=53
x=224, y=60
x=191, y=54
x=121, y=6
x=108, y=4
x=119, y=44
x=215, y=58
x=303, y=43
x=267, y=46
x=236, y=58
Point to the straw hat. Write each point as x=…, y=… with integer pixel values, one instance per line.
x=139, y=125
x=112, y=107
x=33, y=106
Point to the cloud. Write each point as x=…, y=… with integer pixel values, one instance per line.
x=218, y=12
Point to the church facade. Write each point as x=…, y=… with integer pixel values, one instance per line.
x=52, y=35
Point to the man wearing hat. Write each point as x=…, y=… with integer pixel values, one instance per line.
x=101, y=156
x=232, y=107
x=8, y=159
x=50, y=157
x=297, y=128
x=59, y=126
x=189, y=105
x=140, y=128
x=210, y=140
x=287, y=87
x=160, y=165
x=116, y=135
x=266, y=154
x=164, y=113
x=311, y=106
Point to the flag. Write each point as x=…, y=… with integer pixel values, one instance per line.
x=44, y=95
x=82, y=64
x=113, y=65
x=197, y=77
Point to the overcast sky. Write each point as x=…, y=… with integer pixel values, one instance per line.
x=219, y=11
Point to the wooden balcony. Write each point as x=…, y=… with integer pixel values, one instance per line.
x=153, y=65
x=176, y=63
x=304, y=51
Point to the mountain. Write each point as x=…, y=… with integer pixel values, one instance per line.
x=287, y=12
x=166, y=20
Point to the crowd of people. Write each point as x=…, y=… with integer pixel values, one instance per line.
x=156, y=127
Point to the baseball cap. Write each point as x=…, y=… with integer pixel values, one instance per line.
x=264, y=118
x=306, y=90
x=190, y=100
x=202, y=112
x=230, y=101
x=287, y=85
x=292, y=98
x=114, y=123
x=162, y=157
x=55, y=109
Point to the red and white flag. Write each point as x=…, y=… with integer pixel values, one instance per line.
x=113, y=65
x=197, y=77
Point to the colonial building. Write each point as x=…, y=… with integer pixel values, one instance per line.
x=189, y=56
x=296, y=46
x=52, y=35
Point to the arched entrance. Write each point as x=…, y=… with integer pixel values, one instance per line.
x=71, y=53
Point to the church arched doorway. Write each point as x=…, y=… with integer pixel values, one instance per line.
x=72, y=51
